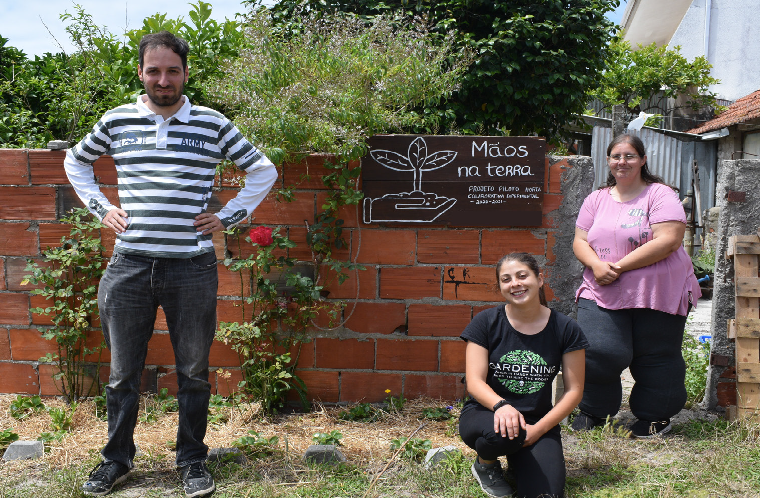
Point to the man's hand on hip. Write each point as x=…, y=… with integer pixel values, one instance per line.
x=208, y=223
x=116, y=220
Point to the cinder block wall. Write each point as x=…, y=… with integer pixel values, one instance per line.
x=403, y=316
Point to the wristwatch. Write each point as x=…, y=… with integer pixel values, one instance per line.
x=500, y=404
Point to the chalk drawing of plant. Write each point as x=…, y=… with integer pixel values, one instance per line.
x=416, y=160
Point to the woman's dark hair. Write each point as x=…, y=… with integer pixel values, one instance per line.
x=529, y=261
x=637, y=144
x=164, y=39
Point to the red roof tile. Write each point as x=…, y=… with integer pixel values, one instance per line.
x=742, y=110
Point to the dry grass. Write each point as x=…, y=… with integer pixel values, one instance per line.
x=364, y=444
x=706, y=458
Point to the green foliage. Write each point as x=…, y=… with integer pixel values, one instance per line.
x=7, y=436
x=633, y=76
x=61, y=96
x=327, y=84
x=696, y=355
x=332, y=437
x=101, y=405
x=256, y=445
x=394, y=403
x=704, y=263
x=211, y=43
x=437, y=413
x=60, y=418
x=68, y=278
x=158, y=405
x=413, y=449
x=279, y=319
x=24, y=406
x=219, y=408
x=362, y=412
x=455, y=463
x=60, y=423
x=535, y=61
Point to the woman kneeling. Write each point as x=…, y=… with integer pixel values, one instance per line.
x=513, y=354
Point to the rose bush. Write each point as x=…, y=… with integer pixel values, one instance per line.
x=261, y=236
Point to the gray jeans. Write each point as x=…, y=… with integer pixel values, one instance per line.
x=130, y=293
x=644, y=340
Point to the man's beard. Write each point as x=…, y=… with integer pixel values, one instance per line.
x=165, y=100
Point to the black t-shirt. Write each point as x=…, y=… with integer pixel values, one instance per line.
x=521, y=367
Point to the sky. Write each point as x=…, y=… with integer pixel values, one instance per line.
x=28, y=24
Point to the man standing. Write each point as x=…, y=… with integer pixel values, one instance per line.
x=166, y=151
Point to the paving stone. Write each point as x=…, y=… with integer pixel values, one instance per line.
x=225, y=455
x=437, y=454
x=24, y=450
x=323, y=453
x=58, y=145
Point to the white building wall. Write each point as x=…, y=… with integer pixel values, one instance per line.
x=733, y=43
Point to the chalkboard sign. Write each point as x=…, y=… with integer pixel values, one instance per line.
x=454, y=180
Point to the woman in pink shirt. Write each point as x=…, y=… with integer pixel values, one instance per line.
x=638, y=287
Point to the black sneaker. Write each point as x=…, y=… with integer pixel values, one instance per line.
x=491, y=479
x=104, y=477
x=585, y=422
x=644, y=429
x=197, y=480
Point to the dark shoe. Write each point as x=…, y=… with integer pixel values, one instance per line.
x=491, y=479
x=197, y=480
x=644, y=429
x=104, y=477
x=585, y=422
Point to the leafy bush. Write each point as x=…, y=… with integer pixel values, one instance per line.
x=634, y=74
x=7, y=436
x=326, y=85
x=60, y=418
x=279, y=320
x=535, y=60
x=256, y=444
x=413, y=449
x=218, y=407
x=158, y=405
x=437, y=413
x=61, y=96
x=101, y=405
x=24, y=406
x=696, y=355
x=69, y=278
x=394, y=403
x=332, y=437
x=362, y=412
x=704, y=263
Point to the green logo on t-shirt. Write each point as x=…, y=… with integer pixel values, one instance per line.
x=522, y=372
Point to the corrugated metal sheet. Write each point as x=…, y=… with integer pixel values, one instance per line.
x=663, y=154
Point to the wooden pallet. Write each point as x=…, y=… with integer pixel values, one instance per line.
x=745, y=328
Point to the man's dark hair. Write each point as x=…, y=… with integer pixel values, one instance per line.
x=164, y=39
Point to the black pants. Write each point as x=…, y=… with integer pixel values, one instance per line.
x=538, y=468
x=647, y=341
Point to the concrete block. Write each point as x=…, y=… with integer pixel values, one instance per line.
x=434, y=456
x=323, y=453
x=24, y=450
x=227, y=455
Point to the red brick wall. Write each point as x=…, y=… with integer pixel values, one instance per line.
x=400, y=326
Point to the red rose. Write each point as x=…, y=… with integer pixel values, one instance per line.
x=261, y=236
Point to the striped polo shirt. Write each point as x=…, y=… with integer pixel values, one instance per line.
x=166, y=170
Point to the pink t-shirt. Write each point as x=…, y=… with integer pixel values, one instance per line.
x=617, y=228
